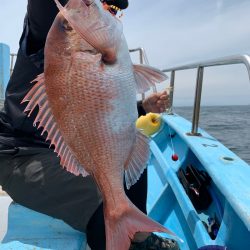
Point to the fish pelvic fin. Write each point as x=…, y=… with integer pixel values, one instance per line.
x=120, y=230
x=146, y=77
x=37, y=97
x=138, y=159
x=95, y=25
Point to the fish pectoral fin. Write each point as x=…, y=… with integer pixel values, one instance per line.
x=37, y=97
x=146, y=77
x=138, y=159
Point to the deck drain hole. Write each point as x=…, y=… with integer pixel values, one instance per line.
x=226, y=158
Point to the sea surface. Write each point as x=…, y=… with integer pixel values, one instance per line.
x=228, y=124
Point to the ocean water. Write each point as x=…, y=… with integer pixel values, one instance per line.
x=228, y=124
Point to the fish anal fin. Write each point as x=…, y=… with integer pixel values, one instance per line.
x=138, y=159
x=37, y=97
x=147, y=76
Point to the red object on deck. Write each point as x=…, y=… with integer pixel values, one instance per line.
x=175, y=157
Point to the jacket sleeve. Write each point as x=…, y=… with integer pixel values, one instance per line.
x=40, y=14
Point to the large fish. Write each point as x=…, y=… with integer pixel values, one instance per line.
x=87, y=106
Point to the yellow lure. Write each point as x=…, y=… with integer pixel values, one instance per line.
x=149, y=124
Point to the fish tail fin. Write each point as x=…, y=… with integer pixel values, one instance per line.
x=120, y=230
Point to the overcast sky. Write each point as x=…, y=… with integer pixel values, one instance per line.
x=175, y=32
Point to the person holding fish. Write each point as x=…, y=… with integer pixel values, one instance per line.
x=82, y=109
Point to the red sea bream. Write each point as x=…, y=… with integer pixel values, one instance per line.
x=87, y=106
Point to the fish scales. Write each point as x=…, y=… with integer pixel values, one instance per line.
x=89, y=84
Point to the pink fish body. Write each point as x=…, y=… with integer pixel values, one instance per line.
x=87, y=105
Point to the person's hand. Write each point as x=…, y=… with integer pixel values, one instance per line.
x=156, y=102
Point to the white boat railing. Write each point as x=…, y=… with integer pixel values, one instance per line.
x=230, y=60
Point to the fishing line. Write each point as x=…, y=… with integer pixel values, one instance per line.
x=174, y=155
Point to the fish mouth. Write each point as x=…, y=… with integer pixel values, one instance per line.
x=111, y=8
x=112, y=11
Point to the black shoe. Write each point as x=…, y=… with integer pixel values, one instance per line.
x=155, y=242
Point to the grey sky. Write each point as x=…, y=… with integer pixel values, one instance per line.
x=175, y=32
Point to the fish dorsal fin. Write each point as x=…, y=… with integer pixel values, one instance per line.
x=37, y=97
x=138, y=159
x=146, y=77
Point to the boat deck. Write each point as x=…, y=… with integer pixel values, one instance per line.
x=29, y=230
x=5, y=201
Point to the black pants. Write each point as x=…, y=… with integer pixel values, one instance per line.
x=33, y=178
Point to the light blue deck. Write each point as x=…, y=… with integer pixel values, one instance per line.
x=29, y=230
x=167, y=200
x=230, y=183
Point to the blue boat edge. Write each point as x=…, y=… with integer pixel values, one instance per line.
x=172, y=207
